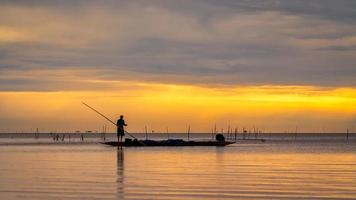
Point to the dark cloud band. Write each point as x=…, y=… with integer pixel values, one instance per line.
x=191, y=42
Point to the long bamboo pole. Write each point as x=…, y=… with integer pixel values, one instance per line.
x=106, y=118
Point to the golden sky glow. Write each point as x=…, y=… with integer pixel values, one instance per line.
x=271, y=108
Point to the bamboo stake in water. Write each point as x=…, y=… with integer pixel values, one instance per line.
x=254, y=131
x=188, y=132
x=214, y=131
x=228, y=132
x=296, y=133
x=105, y=132
x=167, y=133
x=347, y=134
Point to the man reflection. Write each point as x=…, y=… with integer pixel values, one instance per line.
x=120, y=172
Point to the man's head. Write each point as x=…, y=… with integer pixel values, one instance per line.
x=121, y=117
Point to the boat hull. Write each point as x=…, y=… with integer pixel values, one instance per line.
x=167, y=143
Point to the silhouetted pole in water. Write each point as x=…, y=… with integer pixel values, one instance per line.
x=102, y=132
x=235, y=134
x=243, y=133
x=105, y=132
x=37, y=134
x=167, y=133
x=188, y=132
x=214, y=132
x=347, y=134
x=228, y=132
x=254, y=132
x=296, y=133
x=146, y=133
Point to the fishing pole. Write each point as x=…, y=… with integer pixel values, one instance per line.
x=106, y=118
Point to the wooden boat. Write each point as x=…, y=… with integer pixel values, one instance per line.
x=171, y=142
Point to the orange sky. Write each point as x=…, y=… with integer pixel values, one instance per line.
x=157, y=106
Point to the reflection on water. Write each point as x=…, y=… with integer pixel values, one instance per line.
x=120, y=173
x=241, y=171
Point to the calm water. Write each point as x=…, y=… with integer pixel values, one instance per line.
x=270, y=170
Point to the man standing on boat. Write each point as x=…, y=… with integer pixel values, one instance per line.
x=120, y=128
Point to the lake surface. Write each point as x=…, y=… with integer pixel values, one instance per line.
x=275, y=169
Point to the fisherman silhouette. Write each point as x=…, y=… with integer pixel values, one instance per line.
x=120, y=128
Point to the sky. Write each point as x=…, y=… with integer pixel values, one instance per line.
x=271, y=64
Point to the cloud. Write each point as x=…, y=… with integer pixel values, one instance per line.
x=197, y=42
x=339, y=48
x=342, y=11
